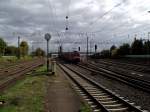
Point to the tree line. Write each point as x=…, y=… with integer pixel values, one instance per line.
x=22, y=50
x=137, y=47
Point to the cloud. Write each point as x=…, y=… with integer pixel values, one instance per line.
x=31, y=19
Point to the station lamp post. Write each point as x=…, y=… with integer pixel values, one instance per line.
x=47, y=38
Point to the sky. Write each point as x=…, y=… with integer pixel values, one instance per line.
x=105, y=22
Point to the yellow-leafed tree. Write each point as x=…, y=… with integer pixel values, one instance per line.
x=24, y=48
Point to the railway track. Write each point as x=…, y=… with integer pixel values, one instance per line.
x=10, y=64
x=18, y=72
x=14, y=67
x=98, y=97
x=124, y=65
x=125, y=71
x=127, y=79
x=138, y=62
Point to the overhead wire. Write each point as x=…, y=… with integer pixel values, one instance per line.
x=67, y=16
x=54, y=19
x=94, y=22
x=137, y=27
x=107, y=12
x=67, y=25
x=116, y=28
x=101, y=17
x=68, y=10
x=52, y=16
x=56, y=31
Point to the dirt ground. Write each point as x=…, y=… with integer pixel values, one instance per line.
x=60, y=96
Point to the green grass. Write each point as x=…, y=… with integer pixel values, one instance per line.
x=14, y=58
x=26, y=95
x=7, y=61
x=85, y=108
x=8, y=58
x=26, y=58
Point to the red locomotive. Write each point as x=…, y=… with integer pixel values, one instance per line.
x=73, y=57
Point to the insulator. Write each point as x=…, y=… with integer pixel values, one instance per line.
x=66, y=17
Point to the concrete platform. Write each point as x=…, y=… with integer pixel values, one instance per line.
x=60, y=95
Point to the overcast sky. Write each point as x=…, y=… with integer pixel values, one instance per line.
x=106, y=22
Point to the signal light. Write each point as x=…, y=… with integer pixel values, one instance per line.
x=66, y=28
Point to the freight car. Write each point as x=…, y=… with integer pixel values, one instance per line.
x=73, y=57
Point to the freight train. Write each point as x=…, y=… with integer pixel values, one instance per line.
x=72, y=57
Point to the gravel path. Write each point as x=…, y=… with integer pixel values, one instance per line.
x=60, y=95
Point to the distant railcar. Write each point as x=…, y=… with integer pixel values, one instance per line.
x=73, y=57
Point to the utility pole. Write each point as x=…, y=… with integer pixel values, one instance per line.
x=87, y=48
x=59, y=49
x=18, y=47
x=148, y=35
x=32, y=49
x=90, y=46
x=148, y=49
x=148, y=44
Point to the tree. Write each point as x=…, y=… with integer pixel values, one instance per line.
x=3, y=46
x=105, y=53
x=146, y=47
x=112, y=48
x=137, y=47
x=24, y=48
x=39, y=52
x=124, y=49
x=114, y=53
x=11, y=50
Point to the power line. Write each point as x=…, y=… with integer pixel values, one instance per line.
x=105, y=14
x=116, y=27
x=100, y=17
x=68, y=10
x=52, y=14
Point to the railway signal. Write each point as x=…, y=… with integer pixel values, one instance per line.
x=78, y=48
x=47, y=38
